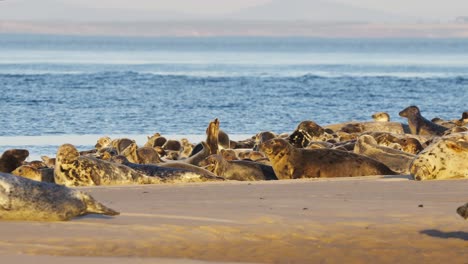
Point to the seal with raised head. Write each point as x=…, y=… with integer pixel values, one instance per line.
x=292, y=163
x=239, y=170
x=12, y=159
x=168, y=175
x=28, y=200
x=419, y=125
x=396, y=160
x=305, y=133
x=381, y=117
x=444, y=159
x=71, y=169
x=463, y=211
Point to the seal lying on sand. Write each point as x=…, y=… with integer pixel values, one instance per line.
x=71, y=169
x=12, y=159
x=420, y=125
x=239, y=170
x=167, y=175
x=293, y=163
x=463, y=211
x=396, y=160
x=446, y=158
x=24, y=199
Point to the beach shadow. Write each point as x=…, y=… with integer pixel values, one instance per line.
x=95, y=216
x=440, y=234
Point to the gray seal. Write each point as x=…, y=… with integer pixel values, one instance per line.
x=12, y=159
x=71, y=169
x=168, y=175
x=463, y=211
x=419, y=125
x=28, y=200
x=240, y=170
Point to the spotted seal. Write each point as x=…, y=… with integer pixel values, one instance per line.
x=12, y=159
x=463, y=211
x=239, y=170
x=304, y=133
x=444, y=159
x=292, y=163
x=167, y=175
x=71, y=169
x=419, y=125
x=25, y=199
x=396, y=160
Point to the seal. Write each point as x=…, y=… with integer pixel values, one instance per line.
x=463, y=211
x=12, y=159
x=71, y=169
x=293, y=163
x=27, y=200
x=419, y=125
x=239, y=170
x=305, y=133
x=396, y=160
x=28, y=172
x=381, y=117
x=444, y=159
x=167, y=175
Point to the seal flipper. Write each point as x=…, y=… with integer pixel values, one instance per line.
x=95, y=207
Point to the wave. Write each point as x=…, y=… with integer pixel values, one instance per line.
x=240, y=74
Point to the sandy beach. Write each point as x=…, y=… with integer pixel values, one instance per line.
x=351, y=220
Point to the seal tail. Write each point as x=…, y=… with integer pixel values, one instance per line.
x=95, y=207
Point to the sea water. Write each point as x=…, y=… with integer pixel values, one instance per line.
x=58, y=89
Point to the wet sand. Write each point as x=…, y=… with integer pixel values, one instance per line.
x=350, y=220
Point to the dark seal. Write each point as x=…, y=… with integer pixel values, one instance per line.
x=419, y=125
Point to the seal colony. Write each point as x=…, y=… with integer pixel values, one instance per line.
x=423, y=149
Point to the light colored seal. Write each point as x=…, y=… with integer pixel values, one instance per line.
x=444, y=159
x=239, y=170
x=168, y=175
x=29, y=172
x=381, y=117
x=292, y=163
x=71, y=169
x=463, y=211
x=396, y=160
x=27, y=200
x=12, y=159
x=419, y=125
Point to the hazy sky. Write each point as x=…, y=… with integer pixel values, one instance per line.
x=425, y=9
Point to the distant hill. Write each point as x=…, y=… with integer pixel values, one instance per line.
x=310, y=10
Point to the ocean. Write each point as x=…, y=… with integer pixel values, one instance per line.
x=69, y=89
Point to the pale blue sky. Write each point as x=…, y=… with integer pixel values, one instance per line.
x=60, y=9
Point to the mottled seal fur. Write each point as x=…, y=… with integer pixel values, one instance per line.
x=444, y=159
x=463, y=211
x=12, y=159
x=167, y=175
x=292, y=163
x=304, y=133
x=239, y=170
x=24, y=199
x=396, y=160
x=71, y=169
x=419, y=125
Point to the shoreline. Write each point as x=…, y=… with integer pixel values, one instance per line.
x=365, y=219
